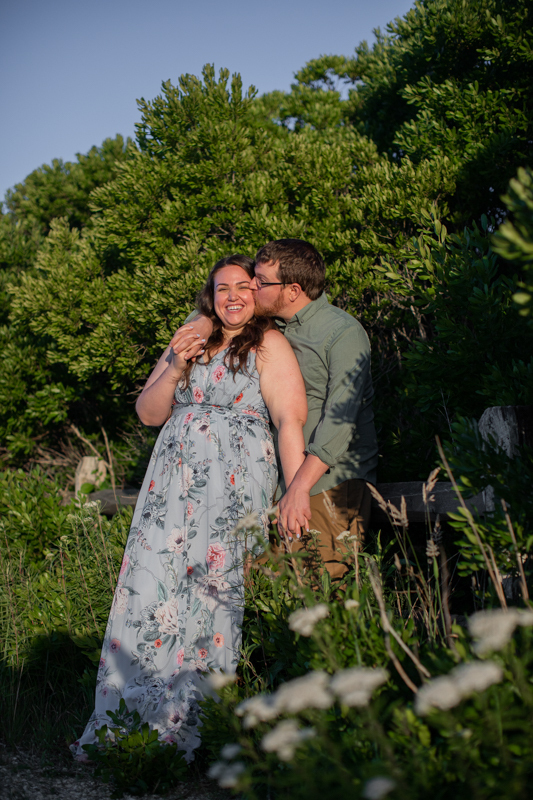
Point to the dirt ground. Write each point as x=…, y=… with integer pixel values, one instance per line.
x=26, y=776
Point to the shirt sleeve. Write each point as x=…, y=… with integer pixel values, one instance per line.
x=349, y=387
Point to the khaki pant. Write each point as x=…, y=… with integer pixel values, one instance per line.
x=346, y=509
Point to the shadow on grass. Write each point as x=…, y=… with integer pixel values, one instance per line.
x=46, y=701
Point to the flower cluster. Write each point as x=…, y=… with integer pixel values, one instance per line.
x=376, y=788
x=304, y=620
x=225, y=773
x=284, y=738
x=351, y=687
x=493, y=629
x=354, y=687
x=217, y=680
x=447, y=691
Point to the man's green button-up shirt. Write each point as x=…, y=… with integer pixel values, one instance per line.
x=333, y=352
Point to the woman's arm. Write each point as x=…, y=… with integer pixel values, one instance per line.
x=283, y=391
x=155, y=400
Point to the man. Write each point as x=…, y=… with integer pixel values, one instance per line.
x=330, y=490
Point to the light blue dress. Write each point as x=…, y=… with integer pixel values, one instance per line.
x=178, y=605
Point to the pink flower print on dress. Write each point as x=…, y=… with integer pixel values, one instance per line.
x=190, y=509
x=219, y=373
x=238, y=398
x=216, y=556
x=114, y=645
x=167, y=617
x=176, y=540
x=152, y=484
x=186, y=421
x=202, y=653
x=218, y=640
x=211, y=590
x=198, y=394
x=125, y=562
x=120, y=602
x=180, y=655
x=269, y=454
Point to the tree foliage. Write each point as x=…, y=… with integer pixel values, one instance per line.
x=514, y=239
x=437, y=119
x=451, y=77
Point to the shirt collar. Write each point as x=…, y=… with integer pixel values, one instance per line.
x=305, y=313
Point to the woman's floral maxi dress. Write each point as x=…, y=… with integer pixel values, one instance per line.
x=178, y=604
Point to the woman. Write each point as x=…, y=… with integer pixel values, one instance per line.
x=178, y=605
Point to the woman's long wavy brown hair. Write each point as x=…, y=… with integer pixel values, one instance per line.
x=252, y=335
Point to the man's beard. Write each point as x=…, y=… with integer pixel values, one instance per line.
x=268, y=311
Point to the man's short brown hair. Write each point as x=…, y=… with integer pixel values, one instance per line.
x=298, y=262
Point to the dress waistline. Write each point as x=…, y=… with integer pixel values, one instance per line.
x=210, y=408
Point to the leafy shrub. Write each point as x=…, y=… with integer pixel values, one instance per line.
x=32, y=514
x=133, y=758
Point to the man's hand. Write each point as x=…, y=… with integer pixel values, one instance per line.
x=192, y=336
x=294, y=512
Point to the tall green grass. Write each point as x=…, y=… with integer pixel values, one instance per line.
x=53, y=614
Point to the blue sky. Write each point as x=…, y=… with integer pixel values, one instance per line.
x=71, y=71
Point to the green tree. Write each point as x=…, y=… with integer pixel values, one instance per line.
x=451, y=77
x=437, y=119
x=514, y=239
x=61, y=189
x=33, y=396
x=206, y=180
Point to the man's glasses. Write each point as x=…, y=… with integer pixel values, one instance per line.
x=261, y=283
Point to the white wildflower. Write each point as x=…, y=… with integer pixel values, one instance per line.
x=476, y=676
x=261, y=708
x=247, y=523
x=348, y=604
x=309, y=691
x=284, y=739
x=525, y=618
x=229, y=751
x=354, y=686
x=493, y=629
x=226, y=774
x=217, y=680
x=347, y=536
x=440, y=693
x=376, y=788
x=304, y=620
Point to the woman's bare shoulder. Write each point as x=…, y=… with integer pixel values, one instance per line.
x=275, y=347
x=274, y=337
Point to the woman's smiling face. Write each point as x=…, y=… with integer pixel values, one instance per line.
x=234, y=300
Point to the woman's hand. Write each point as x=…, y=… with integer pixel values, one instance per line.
x=179, y=355
x=155, y=401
